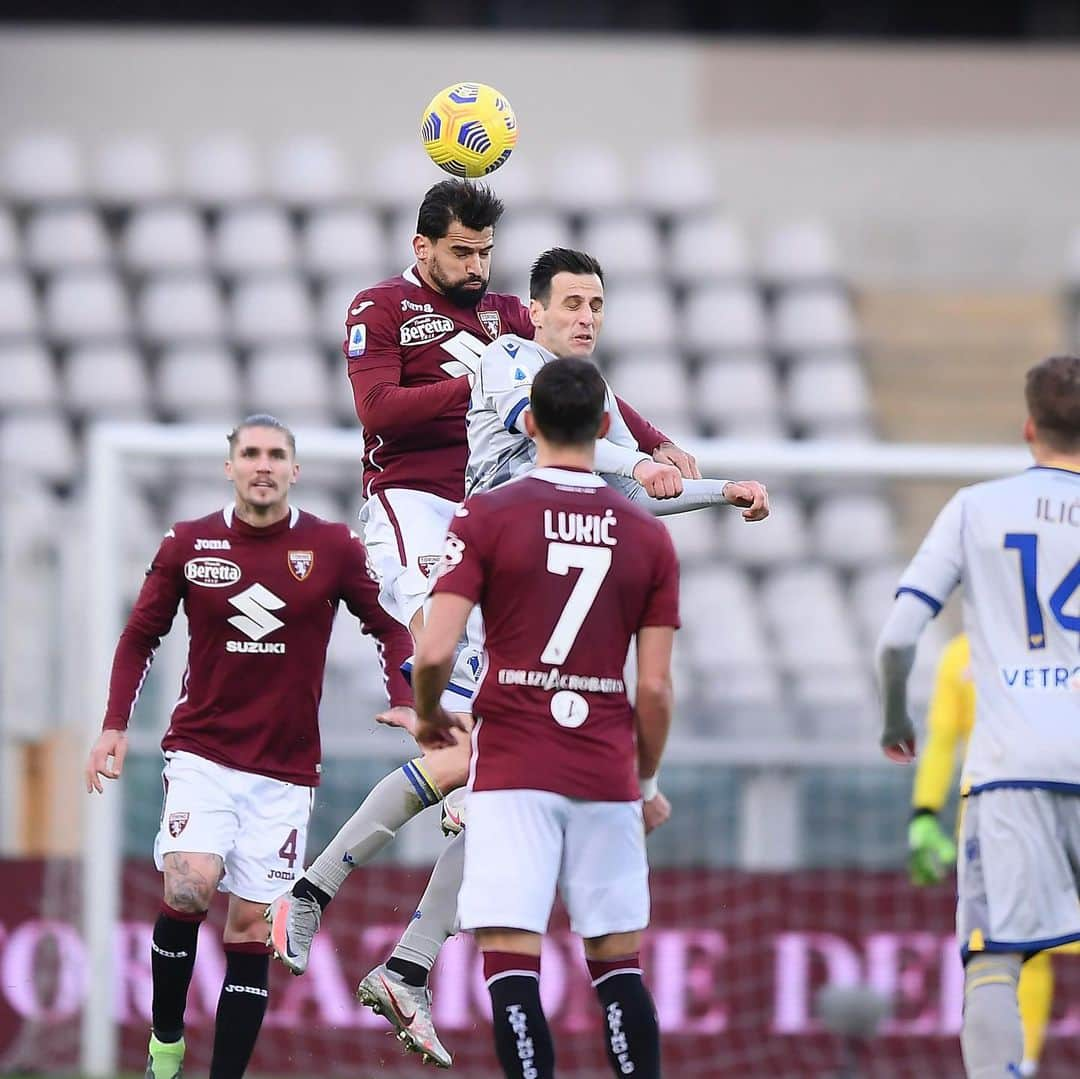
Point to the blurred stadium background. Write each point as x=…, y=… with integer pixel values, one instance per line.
x=860, y=236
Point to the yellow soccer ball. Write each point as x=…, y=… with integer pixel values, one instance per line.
x=469, y=129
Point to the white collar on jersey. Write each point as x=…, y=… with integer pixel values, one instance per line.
x=410, y=275
x=227, y=513
x=566, y=477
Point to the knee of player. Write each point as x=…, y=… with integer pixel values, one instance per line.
x=991, y=974
x=188, y=897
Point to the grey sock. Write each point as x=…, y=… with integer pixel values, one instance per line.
x=395, y=799
x=992, y=1039
x=435, y=920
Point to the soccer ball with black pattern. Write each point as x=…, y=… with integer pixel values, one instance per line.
x=469, y=129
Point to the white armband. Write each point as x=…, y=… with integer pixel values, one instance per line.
x=650, y=787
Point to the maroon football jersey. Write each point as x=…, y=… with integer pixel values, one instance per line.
x=403, y=333
x=566, y=571
x=260, y=603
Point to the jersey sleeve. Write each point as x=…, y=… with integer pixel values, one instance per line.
x=662, y=604
x=617, y=453
x=646, y=437
x=505, y=378
x=936, y=568
x=149, y=621
x=946, y=730
x=461, y=571
x=371, y=332
x=361, y=595
x=518, y=320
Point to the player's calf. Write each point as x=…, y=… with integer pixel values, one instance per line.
x=631, y=1032
x=523, y=1041
x=992, y=1039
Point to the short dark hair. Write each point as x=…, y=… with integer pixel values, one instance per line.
x=567, y=400
x=558, y=260
x=1052, y=391
x=260, y=419
x=475, y=205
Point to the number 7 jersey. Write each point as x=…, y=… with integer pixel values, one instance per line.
x=1015, y=545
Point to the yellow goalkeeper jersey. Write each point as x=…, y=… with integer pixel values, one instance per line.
x=948, y=726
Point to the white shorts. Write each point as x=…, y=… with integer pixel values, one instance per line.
x=256, y=825
x=1017, y=871
x=405, y=535
x=522, y=844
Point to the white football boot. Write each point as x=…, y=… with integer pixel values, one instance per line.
x=408, y=1009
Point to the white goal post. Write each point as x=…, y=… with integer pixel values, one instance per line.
x=111, y=445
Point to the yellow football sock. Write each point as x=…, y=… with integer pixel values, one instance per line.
x=1036, y=995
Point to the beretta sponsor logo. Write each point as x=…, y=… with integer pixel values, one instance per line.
x=423, y=329
x=212, y=572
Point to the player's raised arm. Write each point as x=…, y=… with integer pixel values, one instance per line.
x=148, y=622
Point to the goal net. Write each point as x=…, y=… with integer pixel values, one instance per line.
x=781, y=912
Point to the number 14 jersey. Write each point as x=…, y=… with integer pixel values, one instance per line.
x=1015, y=544
x=566, y=571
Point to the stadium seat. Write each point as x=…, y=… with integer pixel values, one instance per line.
x=133, y=169
x=9, y=239
x=309, y=170
x=829, y=390
x=28, y=379
x=806, y=319
x=162, y=238
x=344, y=240
x=516, y=183
x=520, y=237
x=779, y=539
x=195, y=498
x=332, y=308
x=744, y=385
x=799, y=252
x=723, y=622
x=399, y=178
x=221, y=170
x=199, y=383
x=853, y=531
x=399, y=246
x=696, y=535
x=627, y=245
x=291, y=382
x=674, y=180
x=181, y=307
x=18, y=308
x=872, y=592
x=83, y=305
x=320, y=500
x=720, y=317
x=106, y=380
x=38, y=446
x=267, y=310
x=65, y=237
x=586, y=179
x=253, y=239
x=639, y=316
x=656, y=384
x=836, y=707
x=42, y=167
x=708, y=249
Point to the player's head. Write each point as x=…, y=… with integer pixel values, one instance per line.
x=455, y=232
x=1052, y=391
x=566, y=301
x=262, y=462
x=567, y=404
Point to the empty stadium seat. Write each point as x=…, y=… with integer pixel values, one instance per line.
x=639, y=316
x=720, y=317
x=290, y=382
x=65, y=237
x=399, y=177
x=657, y=385
x=799, y=252
x=399, y=246
x=18, y=306
x=162, y=238
x=853, y=531
x=106, y=380
x=586, y=179
x=708, y=249
x=271, y=309
x=253, y=239
x=828, y=390
x=83, y=305
x=696, y=535
x=627, y=245
x=332, y=308
x=133, y=169
x=181, y=307
x=745, y=386
x=516, y=183
x=195, y=498
x=39, y=446
x=28, y=380
x=520, y=237
x=674, y=180
x=199, y=383
x=344, y=240
x=43, y=167
x=220, y=170
x=779, y=539
x=806, y=319
x=308, y=170
x=317, y=499
x=9, y=239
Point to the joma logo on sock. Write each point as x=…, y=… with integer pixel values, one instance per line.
x=254, y=990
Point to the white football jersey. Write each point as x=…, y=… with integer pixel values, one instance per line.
x=1015, y=544
x=499, y=448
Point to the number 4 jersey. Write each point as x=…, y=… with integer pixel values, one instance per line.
x=565, y=571
x=1015, y=544
x=260, y=603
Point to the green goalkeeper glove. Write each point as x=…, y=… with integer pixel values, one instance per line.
x=931, y=853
